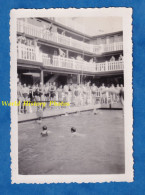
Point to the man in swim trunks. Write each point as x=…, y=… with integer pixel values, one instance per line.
x=65, y=89
x=25, y=93
x=93, y=90
x=102, y=95
x=47, y=93
x=19, y=96
x=52, y=91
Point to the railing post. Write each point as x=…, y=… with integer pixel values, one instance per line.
x=115, y=46
x=78, y=78
x=106, y=65
x=41, y=77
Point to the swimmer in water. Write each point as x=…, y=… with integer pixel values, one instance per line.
x=74, y=132
x=44, y=131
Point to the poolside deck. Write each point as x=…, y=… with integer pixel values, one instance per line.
x=58, y=112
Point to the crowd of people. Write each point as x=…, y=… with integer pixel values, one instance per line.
x=75, y=94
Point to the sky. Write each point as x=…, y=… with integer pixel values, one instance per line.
x=93, y=25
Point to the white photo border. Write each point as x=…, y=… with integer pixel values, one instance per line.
x=126, y=14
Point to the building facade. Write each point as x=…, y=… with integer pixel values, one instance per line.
x=48, y=51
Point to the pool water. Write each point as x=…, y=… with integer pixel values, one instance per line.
x=96, y=148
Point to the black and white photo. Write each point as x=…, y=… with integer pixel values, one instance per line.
x=71, y=79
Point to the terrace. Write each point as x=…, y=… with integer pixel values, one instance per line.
x=40, y=32
x=30, y=53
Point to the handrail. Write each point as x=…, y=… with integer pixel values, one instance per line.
x=40, y=32
x=33, y=54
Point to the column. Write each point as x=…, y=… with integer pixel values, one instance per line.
x=42, y=76
x=37, y=51
x=67, y=53
x=78, y=79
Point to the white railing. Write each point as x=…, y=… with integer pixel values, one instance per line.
x=26, y=52
x=113, y=47
x=46, y=61
x=30, y=53
x=68, y=63
x=40, y=32
x=33, y=54
x=109, y=66
x=73, y=64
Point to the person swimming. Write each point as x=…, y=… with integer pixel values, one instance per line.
x=75, y=133
x=44, y=131
x=73, y=129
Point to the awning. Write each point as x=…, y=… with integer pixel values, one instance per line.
x=33, y=74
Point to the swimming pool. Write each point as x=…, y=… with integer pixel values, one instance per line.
x=97, y=148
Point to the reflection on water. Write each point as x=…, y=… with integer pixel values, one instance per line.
x=96, y=148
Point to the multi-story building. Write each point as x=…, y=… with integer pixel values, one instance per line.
x=48, y=51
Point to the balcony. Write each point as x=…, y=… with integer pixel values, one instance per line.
x=109, y=66
x=30, y=53
x=118, y=46
x=70, y=64
x=40, y=32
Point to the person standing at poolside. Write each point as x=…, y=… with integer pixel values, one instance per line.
x=113, y=96
x=102, y=95
x=47, y=93
x=52, y=91
x=117, y=95
x=25, y=93
x=59, y=91
x=41, y=92
x=19, y=96
x=66, y=88
x=71, y=88
x=93, y=91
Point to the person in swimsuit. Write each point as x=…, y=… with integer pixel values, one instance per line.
x=47, y=93
x=121, y=94
x=25, y=93
x=93, y=90
x=77, y=93
x=66, y=88
x=59, y=91
x=52, y=92
x=103, y=95
x=19, y=96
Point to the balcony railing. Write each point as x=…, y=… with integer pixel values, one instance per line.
x=42, y=33
x=28, y=53
x=109, y=66
x=113, y=47
x=32, y=54
x=72, y=64
x=67, y=63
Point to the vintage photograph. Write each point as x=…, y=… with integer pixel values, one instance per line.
x=71, y=81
